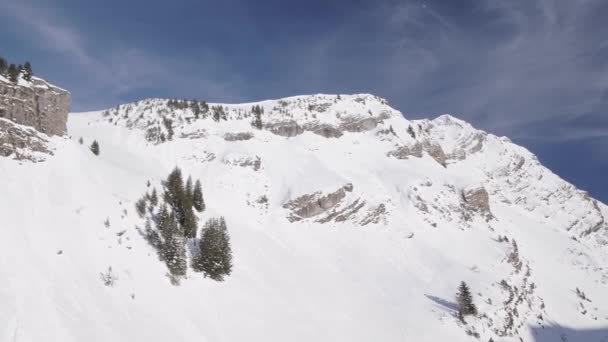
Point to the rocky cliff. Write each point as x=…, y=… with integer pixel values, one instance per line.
x=35, y=103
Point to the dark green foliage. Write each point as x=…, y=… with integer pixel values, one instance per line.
x=154, y=198
x=13, y=73
x=197, y=197
x=465, y=301
x=218, y=113
x=198, y=108
x=140, y=207
x=3, y=66
x=189, y=188
x=180, y=202
x=215, y=253
x=411, y=132
x=257, y=116
x=168, y=241
x=174, y=222
x=95, y=147
x=168, y=123
x=27, y=71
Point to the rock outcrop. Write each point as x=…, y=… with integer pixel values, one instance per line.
x=477, y=200
x=433, y=150
x=21, y=142
x=37, y=104
x=241, y=136
x=314, y=204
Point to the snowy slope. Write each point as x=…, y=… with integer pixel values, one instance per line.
x=381, y=264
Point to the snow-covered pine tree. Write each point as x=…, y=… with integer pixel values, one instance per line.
x=140, y=207
x=13, y=73
x=257, y=114
x=465, y=300
x=173, y=249
x=189, y=188
x=197, y=197
x=215, y=253
x=27, y=71
x=95, y=147
x=180, y=202
x=154, y=198
x=3, y=66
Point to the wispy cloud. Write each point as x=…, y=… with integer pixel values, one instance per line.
x=119, y=70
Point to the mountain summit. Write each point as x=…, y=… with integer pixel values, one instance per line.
x=347, y=222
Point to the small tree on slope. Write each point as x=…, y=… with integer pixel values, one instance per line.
x=465, y=301
x=95, y=147
x=197, y=197
x=215, y=255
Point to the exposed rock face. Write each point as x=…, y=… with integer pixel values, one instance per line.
x=39, y=105
x=349, y=124
x=374, y=215
x=478, y=200
x=361, y=125
x=286, y=128
x=310, y=205
x=434, y=150
x=254, y=162
x=325, y=130
x=241, y=136
x=21, y=142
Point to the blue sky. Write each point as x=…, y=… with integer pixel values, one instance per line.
x=534, y=70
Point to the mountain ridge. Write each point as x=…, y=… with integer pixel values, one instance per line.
x=360, y=231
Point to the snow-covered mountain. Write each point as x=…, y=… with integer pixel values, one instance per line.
x=348, y=222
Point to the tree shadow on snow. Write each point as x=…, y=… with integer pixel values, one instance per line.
x=445, y=304
x=558, y=333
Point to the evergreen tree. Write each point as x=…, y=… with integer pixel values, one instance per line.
x=13, y=73
x=3, y=66
x=140, y=207
x=197, y=197
x=189, y=188
x=168, y=123
x=411, y=132
x=154, y=198
x=465, y=301
x=95, y=147
x=215, y=253
x=181, y=204
x=257, y=113
x=28, y=73
x=173, y=251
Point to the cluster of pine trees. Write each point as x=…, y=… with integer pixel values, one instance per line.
x=12, y=71
x=257, y=112
x=172, y=222
x=218, y=113
x=199, y=108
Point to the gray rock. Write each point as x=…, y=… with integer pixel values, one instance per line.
x=314, y=204
x=253, y=162
x=478, y=200
x=40, y=105
x=21, y=142
x=359, y=125
x=374, y=215
x=241, y=136
x=286, y=128
x=433, y=150
x=325, y=130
